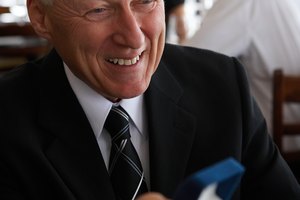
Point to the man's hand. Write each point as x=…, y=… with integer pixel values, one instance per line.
x=152, y=196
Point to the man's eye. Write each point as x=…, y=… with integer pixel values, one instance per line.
x=147, y=1
x=96, y=11
x=96, y=14
x=144, y=5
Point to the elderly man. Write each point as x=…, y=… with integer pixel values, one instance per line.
x=112, y=112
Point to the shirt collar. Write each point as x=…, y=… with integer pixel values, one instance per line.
x=96, y=107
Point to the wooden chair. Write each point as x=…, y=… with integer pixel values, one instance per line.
x=286, y=89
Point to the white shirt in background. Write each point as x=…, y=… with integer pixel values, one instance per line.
x=265, y=35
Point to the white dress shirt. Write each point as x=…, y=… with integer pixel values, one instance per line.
x=96, y=108
x=265, y=35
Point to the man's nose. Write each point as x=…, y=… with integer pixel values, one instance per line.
x=129, y=32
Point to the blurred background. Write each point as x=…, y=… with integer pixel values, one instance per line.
x=18, y=41
x=194, y=12
x=263, y=34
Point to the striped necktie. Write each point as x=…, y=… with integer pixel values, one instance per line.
x=125, y=168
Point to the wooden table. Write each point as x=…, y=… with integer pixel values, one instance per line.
x=19, y=40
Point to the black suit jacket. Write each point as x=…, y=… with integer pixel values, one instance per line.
x=199, y=111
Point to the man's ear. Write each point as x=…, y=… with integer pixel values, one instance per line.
x=37, y=15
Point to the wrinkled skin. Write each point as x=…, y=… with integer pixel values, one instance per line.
x=113, y=46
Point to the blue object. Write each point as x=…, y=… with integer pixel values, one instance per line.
x=226, y=174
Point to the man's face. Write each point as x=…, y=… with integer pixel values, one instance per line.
x=113, y=45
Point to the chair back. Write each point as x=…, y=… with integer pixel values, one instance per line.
x=286, y=89
x=4, y=9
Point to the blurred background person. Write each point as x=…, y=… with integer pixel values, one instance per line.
x=183, y=18
x=175, y=9
x=265, y=35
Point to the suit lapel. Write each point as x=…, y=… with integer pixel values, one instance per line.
x=171, y=132
x=73, y=152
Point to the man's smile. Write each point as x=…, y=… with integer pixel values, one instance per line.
x=122, y=61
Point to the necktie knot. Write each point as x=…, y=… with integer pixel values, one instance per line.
x=117, y=124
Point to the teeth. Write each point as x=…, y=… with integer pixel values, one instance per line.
x=121, y=61
x=133, y=61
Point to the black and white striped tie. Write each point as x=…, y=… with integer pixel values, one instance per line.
x=125, y=168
